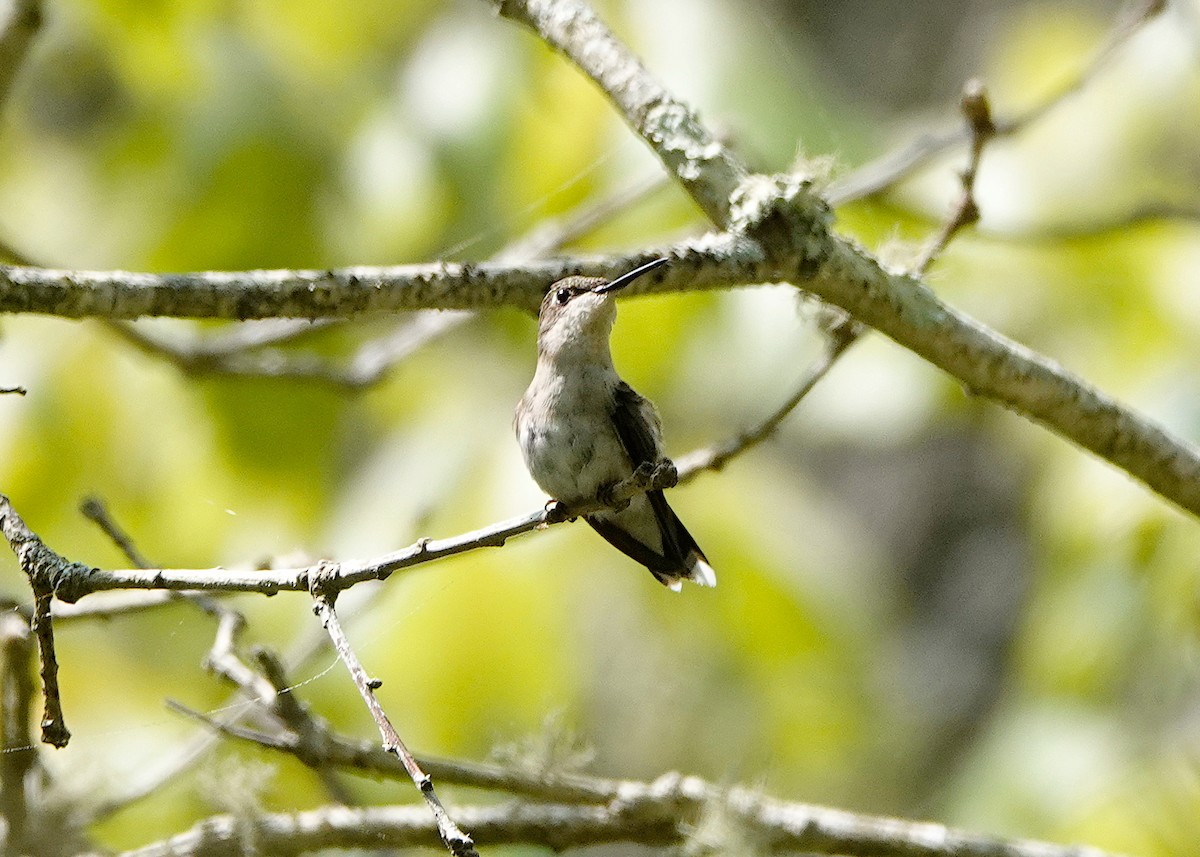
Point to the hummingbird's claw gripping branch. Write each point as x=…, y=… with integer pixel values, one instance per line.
x=557, y=512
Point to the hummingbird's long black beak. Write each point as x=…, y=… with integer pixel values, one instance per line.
x=625, y=279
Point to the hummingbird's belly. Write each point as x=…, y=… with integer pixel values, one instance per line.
x=572, y=459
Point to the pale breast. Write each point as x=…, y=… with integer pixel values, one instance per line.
x=567, y=438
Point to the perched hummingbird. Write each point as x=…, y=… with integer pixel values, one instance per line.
x=582, y=429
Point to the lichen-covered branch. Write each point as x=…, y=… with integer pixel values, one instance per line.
x=708, y=262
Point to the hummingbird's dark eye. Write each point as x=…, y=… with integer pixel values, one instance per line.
x=562, y=296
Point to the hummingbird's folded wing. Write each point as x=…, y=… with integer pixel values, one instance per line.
x=637, y=424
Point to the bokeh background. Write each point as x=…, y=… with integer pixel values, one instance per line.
x=927, y=606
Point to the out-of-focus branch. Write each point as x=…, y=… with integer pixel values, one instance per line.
x=18, y=753
x=551, y=235
x=324, y=749
x=894, y=167
x=658, y=813
x=371, y=361
x=21, y=22
x=1151, y=212
x=245, y=350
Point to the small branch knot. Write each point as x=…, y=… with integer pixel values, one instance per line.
x=324, y=581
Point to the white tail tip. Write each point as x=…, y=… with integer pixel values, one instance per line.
x=702, y=573
x=676, y=585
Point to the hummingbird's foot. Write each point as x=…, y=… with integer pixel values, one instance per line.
x=606, y=495
x=556, y=512
x=665, y=474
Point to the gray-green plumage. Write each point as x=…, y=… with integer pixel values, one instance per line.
x=581, y=429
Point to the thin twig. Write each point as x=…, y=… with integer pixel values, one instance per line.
x=248, y=357
x=329, y=750
x=54, y=724
x=894, y=167
x=838, y=340
x=19, y=391
x=978, y=115
x=459, y=843
x=73, y=581
x=94, y=510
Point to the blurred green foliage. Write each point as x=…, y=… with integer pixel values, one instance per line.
x=927, y=607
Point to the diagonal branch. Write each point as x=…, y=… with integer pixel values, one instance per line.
x=839, y=336
x=459, y=843
x=791, y=228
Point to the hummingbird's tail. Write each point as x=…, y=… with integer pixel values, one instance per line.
x=696, y=569
x=680, y=559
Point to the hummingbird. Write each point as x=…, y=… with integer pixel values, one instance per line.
x=582, y=429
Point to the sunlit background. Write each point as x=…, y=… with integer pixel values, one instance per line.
x=927, y=606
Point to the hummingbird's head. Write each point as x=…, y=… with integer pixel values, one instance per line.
x=578, y=312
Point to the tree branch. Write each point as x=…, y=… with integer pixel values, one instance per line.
x=978, y=115
x=704, y=263
x=840, y=333
x=658, y=813
x=369, y=364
